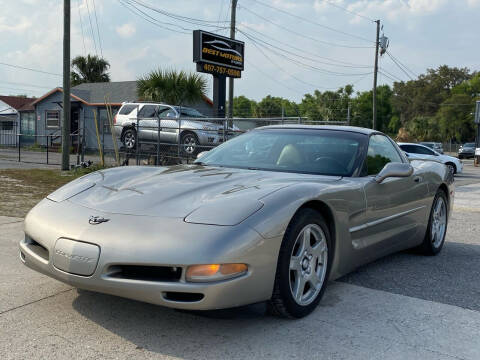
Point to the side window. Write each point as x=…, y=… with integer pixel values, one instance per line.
x=423, y=150
x=127, y=109
x=167, y=112
x=380, y=152
x=147, y=111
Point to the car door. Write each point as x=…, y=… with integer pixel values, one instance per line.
x=147, y=122
x=169, y=125
x=396, y=207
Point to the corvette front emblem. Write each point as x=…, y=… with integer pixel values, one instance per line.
x=95, y=220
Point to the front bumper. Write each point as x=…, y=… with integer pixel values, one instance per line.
x=143, y=241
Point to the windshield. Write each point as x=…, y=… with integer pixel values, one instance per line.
x=469, y=145
x=311, y=151
x=188, y=112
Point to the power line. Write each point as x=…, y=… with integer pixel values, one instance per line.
x=145, y=16
x=91, y=28
x=179, y=17
x=300, y=34
x=391, y=74
x=315, y=60
x=347, y=10
x=98, y=31
x=24, y=84
x=399, y=66
x=271, y=77
x=29, y=69
x=304, y=65
x=81, y=26
x=311, y=21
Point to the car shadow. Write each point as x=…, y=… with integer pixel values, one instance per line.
x=451, y=277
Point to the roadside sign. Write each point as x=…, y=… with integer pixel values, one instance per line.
x=218, y=55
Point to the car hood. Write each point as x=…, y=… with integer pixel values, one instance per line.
x=178, y=191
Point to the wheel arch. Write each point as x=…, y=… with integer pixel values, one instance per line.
x=453, y=165
x=327, y=213
x=125, y=128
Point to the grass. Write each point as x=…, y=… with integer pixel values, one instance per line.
x=20, y=190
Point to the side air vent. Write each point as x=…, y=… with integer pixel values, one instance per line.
x=182, y=296
x=145, y=273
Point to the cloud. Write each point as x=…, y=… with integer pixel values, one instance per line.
x=126, y=30
x=14, y=25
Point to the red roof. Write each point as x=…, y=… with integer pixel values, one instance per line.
x=18, y=102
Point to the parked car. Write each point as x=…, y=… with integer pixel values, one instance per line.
x=438, y=147
x=466, y=151
x=271, y=215
x=196, y=134
x=418, y=151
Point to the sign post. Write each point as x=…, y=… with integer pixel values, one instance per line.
x=220, y=56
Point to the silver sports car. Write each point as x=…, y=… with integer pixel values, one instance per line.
x=271, y=215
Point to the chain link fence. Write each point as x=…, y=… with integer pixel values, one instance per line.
x=142, y=141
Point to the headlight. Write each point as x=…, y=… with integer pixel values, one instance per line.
x=214, y=272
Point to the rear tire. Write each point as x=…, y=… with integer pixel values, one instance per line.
x=129, y=139
x=303, y=266
x=437, y=225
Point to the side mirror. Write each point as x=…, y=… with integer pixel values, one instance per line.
x=394, y=170
x=200, y=154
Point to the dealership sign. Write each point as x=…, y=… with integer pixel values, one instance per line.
x=218, y=55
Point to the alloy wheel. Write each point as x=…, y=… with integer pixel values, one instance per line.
x=189, y=144
x=308, y=264
x=439, y=222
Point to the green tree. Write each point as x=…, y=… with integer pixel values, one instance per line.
x=243, y=107
x=89, y=69
x=172, y=87
x=271, y=106
x=327, y=106
x=362, y=110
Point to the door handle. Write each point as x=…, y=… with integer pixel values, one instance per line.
x=417, y=179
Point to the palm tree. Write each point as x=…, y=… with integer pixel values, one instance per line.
x=172, y=87
x=89, y=69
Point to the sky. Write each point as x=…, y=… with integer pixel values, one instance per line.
x=326, y=44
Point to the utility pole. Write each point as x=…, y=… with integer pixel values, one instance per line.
x=232, y=36
x=66, y=87
x=348, y=114
x=374, y=120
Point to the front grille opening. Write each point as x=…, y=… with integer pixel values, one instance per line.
x=182, y=296
x=36, y=248
x=146, y=273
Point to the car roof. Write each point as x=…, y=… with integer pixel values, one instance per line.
x=355, y=129
x=419, y=144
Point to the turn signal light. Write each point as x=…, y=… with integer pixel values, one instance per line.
x=214, y=272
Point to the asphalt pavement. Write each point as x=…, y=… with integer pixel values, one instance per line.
x=404, y=306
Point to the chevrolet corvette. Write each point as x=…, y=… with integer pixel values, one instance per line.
x=271, y=215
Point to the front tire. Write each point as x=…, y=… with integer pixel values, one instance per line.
x=303, y=266
x=190, y=143
x=437, y=225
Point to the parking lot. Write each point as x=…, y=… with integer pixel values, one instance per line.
x=402, y=306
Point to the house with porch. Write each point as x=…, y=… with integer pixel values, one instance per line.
x=89, y=100
x=17, y=116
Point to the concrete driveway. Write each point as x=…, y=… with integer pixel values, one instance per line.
x=405, y=306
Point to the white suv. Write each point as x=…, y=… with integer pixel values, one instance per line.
x=196, y=133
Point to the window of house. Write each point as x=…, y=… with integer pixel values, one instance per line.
x=52, y=119
x=6, y=125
